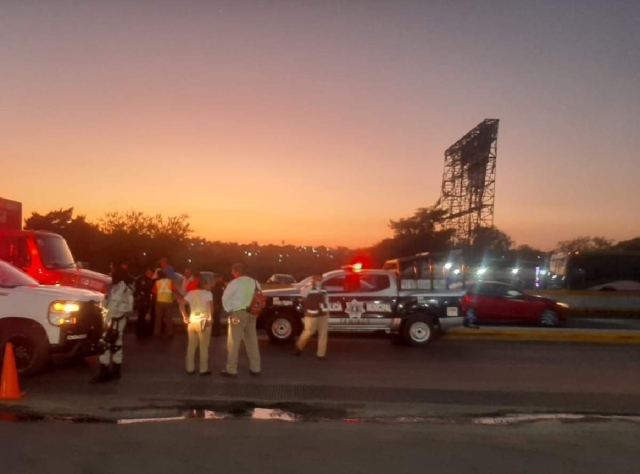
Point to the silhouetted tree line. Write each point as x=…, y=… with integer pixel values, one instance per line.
x=141, y=240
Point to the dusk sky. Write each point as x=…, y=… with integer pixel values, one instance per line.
x=315, y=122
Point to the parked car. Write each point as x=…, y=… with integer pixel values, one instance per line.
x=281, y=279
x=209, y=277
x=491, y=301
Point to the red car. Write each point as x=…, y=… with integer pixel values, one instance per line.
x=498, y=302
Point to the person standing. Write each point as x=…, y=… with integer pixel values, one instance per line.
x=315, y=302
x=189, y=283
x=236, y=300
x=198, y=321
x=165, y=292
x=144, y=288
x=217, y=290
x=168, y=270
x=118, y=302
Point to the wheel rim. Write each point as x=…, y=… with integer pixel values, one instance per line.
x=23, y=351
x=549, y=318
x=420, y=332
x=281, y=328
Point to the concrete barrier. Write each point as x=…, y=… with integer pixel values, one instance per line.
x=596, y=301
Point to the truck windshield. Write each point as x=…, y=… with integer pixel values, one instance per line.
x=54, y=252
x=10, y=277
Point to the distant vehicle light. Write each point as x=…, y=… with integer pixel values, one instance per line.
x=481, y=271
x=448, y=265
x=456, y=271
x=515, y=271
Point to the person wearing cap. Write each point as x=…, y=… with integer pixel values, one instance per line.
x=198, y=321
x=236, y=300
x=166, y=293
x=316, y=317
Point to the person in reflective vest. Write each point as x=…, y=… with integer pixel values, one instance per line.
x=198, y=321
x=166, y=293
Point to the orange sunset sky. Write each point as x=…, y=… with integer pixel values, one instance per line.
x=317, y=122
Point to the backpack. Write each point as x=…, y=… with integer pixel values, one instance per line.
x=258, y=302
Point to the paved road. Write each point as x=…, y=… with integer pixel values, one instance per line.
x=365, y=370
x=241, y=446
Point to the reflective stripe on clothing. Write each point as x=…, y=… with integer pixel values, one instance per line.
x=164, y=291
x=199, y=305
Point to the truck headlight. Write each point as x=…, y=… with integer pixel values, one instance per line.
x=62, y=313
x=563, y=305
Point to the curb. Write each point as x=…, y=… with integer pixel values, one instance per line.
x=551, y=335
x=271, y=414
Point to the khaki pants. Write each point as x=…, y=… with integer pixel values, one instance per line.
x=163, y=318
x=313, y=324
x=198, y=339
x=242, y=327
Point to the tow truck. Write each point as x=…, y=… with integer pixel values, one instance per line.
x=365, y=300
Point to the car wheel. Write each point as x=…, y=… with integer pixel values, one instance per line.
x=549, y=318
x=30, y=348
x=283, y=327
x=418, y=330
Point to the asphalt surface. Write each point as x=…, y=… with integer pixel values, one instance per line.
x=364, y=376
x=610, y=322
x=240, y=446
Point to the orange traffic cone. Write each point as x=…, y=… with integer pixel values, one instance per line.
x=10, y=388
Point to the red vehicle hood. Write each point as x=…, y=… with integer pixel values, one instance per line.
x=82, y=278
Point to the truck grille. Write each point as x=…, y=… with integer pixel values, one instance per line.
x=90, y=320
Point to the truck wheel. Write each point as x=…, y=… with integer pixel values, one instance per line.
x=283, y=327
x=30, y=347
x=418, y=330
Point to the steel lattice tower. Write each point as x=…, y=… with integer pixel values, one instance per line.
x=469, y=180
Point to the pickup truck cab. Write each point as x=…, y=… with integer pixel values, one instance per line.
x=44, y=322
x=363, y=301
x=46, y=257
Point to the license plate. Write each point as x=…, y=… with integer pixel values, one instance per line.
x=452, y=311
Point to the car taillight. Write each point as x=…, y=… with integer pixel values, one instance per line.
x=464, y=302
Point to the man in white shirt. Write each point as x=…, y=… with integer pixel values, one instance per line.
x=236, y=300
x=198, y=321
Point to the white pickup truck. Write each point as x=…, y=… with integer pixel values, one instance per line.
x=43, y=322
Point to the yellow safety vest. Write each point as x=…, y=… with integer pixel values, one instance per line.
x=164, y=292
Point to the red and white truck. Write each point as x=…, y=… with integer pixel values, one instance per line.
x=44, y=256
